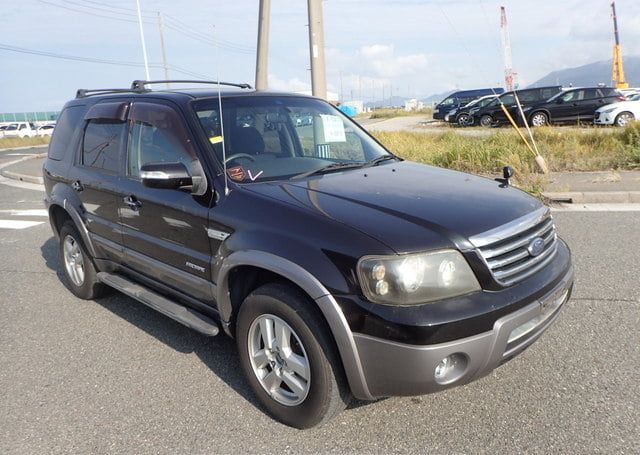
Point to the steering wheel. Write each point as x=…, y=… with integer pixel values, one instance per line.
x=239, y=155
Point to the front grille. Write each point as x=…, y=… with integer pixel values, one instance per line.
x=507, y=249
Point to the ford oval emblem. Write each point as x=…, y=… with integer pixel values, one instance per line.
x=536, y=246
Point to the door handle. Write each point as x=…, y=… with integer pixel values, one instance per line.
x=77, y=186
x=133, y=202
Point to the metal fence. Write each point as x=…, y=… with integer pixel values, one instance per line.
x=42, y=116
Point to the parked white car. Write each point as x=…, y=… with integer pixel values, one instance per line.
x=619, y=113
x=20, y=129
x=45, y=130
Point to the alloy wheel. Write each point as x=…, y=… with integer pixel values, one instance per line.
x=73, y=260
x=279, y=360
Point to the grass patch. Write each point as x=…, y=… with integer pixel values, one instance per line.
x=390, y=113
x=592, y=149
x=10, y=142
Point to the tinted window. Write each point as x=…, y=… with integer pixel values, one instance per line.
x=447, y=102
x=547, y=93
x=574, y=95
x=508, y=99
x=157, y=135
x=592, y=93
x=64, y=131
x=101, y=145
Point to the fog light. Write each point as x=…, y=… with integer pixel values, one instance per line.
x=450, y=369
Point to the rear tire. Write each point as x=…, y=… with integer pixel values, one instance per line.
x=539, y=119
x=299, y=379
x=486, y=121
x=623, y=118
x=78, y=269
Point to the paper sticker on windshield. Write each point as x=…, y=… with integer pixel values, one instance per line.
x=236, y=173
x=333, y=128
x=215, y=139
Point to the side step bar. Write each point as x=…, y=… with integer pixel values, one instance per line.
x=186, y=316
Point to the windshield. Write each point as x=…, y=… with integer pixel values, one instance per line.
x=13, y=126
x=278, y=137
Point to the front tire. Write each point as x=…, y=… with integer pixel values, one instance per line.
x=463, y=119
x=623, y=118
x=289, y=357
x=77, y=265
x=539, y=119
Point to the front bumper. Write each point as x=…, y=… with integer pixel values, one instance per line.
x=604, y=119
x=396, y=369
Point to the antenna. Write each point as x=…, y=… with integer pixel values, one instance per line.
x=224, y=150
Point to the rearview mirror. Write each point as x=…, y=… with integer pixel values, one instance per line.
x=165, y=175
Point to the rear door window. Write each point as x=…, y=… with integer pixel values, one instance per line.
x=102, y=144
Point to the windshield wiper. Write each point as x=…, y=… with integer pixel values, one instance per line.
x=380, y=159
x=328, y=168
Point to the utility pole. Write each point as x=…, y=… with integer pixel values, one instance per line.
x=262, y=54
x=316, y=49
x=144, y=46
x=164, y=53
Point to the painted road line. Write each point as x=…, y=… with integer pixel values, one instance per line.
x=18, y=224
x=28, y=212
x=563, y=207
x=19, y=184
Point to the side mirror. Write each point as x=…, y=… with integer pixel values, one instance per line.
x=165, y=175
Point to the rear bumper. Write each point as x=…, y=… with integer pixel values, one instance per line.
x=397, y=369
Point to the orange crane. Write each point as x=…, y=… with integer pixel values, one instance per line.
x=618, y=71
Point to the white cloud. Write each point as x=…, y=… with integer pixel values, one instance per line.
x=384, y=62
x=288, y=85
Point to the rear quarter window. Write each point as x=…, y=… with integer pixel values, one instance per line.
x=64, y=132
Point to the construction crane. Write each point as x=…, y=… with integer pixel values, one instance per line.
x=618, y=71
x=510, y=76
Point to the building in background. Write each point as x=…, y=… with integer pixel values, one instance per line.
x=413, y=105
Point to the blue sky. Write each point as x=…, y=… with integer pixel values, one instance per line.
x=413, y=47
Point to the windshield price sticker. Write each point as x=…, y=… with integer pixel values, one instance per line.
x=333, y=128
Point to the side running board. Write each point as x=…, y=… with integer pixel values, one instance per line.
x=186, y=316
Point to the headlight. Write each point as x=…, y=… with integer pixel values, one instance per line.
x=415, y=278
x=525, y=109
x=474, y=110
x=608, y=111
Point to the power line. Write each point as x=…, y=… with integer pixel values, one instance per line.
x=104, y=61
x=178, y=26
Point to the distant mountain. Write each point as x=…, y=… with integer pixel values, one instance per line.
x=592, y=74
x=436, y=98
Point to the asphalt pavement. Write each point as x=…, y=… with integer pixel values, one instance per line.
x=113, y=376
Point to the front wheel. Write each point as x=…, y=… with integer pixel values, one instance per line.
x=623, y=118
x=486, y=121
x=463, y=119
x=289, y=357
x=539, y=119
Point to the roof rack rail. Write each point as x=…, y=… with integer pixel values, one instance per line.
x=83, y=92
x=140, y=85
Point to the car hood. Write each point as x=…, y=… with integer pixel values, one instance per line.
x=621, y=105
x=407, y=206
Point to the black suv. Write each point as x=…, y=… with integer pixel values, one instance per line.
x=340, y=269
x=461, y=116
x=574, y=105
x=493, y=115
